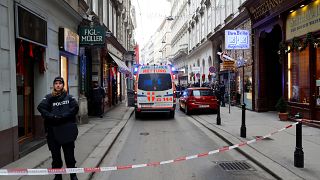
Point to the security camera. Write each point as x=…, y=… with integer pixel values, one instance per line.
x=91, y=17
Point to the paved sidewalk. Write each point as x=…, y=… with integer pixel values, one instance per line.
x=277, y=152
x=92, y=138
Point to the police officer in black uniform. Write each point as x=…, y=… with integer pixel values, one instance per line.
x=59, y=111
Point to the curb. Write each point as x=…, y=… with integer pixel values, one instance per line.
x=97, y=155
x=270, y=166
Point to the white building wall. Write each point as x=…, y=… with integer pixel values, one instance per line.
x=55, y=19
x=8, y=92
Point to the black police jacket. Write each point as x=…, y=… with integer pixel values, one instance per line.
x=58, y=110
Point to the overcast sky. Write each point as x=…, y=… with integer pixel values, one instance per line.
x=149, y=15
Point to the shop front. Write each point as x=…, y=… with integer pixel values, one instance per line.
x=115, y=73
x=68, y=64
x=267, y=18
x=302, y=56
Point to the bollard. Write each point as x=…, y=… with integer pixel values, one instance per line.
x=243, y=129
x=298, y=153
x=218, y=114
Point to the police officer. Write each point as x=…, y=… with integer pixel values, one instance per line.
x=59, y=111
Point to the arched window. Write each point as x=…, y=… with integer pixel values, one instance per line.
x=203, y=66
x=210, y=61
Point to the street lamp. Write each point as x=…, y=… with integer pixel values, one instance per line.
x=169, y=18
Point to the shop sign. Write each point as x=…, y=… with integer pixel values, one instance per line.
x=92, y=35
x=68, y=41
x=237, y=39
x=263, y=8
x=228, y=65
x=303, y=20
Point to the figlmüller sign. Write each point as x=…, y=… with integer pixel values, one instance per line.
x=237, y=39
x=92, y=35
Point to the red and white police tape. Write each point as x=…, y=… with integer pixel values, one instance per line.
x=22, y=171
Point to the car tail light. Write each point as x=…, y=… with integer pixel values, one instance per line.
x=213, y=98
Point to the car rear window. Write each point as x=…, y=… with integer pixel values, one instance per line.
x=154, y=82
x=202, y=92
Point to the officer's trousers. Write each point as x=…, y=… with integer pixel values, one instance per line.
x=68, y=151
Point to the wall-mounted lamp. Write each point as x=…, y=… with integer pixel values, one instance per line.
x=169, y=18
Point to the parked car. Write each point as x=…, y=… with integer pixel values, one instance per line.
x=198, y=99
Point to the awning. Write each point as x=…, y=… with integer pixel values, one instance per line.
x=121, y=65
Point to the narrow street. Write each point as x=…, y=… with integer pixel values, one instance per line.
x=158, y=138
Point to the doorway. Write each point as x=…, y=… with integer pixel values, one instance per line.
x=271, y=67
x=25, y=89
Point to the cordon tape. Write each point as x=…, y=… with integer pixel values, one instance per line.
x=23, y=171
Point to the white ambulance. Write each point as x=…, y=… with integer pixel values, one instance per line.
x=154, y=89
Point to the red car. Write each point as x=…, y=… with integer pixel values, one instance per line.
x=198, y=98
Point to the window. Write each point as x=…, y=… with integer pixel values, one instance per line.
x=105, y=12
x=202, y=27
x=95, y=6
x=209, y=20
x=228, y=8
x=110, y=15
x=298, y=76
x=154, y=82
x=202, y=92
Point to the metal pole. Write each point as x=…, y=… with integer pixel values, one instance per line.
x=218, y=113
x=298, y=153
x=243, y=129
x=229, y=90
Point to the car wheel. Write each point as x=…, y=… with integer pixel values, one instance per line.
x=186, y=110
x=181, y=109
x=172, y=114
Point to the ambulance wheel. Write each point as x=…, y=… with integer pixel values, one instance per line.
x=172, y=114
x=136, y=114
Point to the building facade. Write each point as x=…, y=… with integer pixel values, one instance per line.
x=179, y=40
x=107, y=62
x=286, y=38
x=31, y=59
x=39, y=41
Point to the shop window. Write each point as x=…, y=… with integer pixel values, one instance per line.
x=299, y=78
x=318, y=78
x=64, y=71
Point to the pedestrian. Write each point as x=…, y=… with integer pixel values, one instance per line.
x=222, y=90
x=98, y=95
x=114, y=92
x=59, y=111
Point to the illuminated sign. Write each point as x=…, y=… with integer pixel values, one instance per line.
x=303, y=20
x=237, y=39
x=68, y=41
